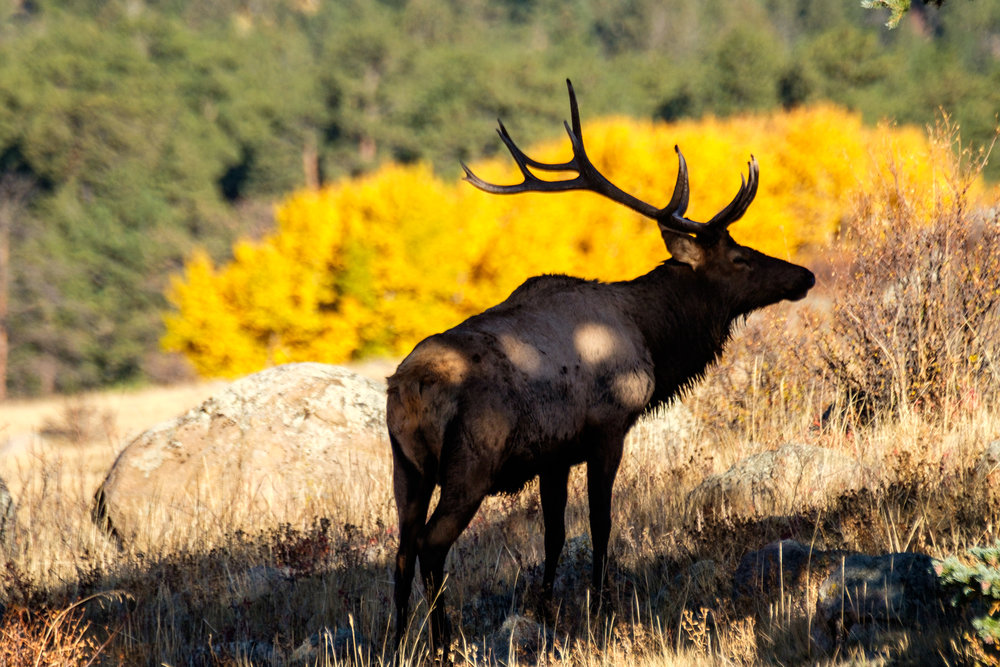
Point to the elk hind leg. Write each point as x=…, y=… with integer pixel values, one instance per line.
x=553, y=491
x=465, y=481
x=412, y=489
x=449, y=519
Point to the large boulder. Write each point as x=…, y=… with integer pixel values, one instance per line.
x=776, y=483
x=277, y=446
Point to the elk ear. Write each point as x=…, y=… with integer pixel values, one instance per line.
x=683, y=248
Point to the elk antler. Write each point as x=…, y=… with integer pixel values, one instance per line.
x=589, y=178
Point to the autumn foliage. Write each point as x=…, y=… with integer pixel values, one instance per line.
x=371, y=265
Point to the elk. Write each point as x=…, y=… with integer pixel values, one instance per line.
x=556, y=375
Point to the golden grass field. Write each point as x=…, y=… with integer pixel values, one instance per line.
x=903, y=384
x=198, y=606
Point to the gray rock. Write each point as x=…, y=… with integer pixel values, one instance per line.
x=257, y=583
x=867, y=596
x=702, y=584
x=865, y=601
x=781, y=567
x=260, y=452
x=519, y=640
x=576, y=564
x=780, y=482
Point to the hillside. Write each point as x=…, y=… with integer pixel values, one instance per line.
x=133, y=132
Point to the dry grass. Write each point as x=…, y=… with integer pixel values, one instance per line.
x=128, y=411
x=319, y=590
x=238, y=599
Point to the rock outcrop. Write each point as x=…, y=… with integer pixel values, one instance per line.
x=870, y=597
x=861, y=600
x=264, y=450
x=775, y=483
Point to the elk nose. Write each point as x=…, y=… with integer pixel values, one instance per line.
x=806, y=284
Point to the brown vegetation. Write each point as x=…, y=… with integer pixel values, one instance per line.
x=320, y=589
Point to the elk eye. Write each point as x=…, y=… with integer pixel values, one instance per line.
x=740, y=260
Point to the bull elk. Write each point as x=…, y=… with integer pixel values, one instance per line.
x=558, y=373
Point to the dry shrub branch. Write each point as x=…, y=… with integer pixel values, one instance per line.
x=915, y=323
x=56, y=637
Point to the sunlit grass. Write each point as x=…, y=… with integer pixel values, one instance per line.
x=318, y=590
x=257, y=598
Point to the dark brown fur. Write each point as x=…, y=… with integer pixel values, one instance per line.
x=553, y=377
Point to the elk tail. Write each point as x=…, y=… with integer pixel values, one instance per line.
x=405, y=417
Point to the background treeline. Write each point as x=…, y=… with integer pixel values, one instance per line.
x=132, y=132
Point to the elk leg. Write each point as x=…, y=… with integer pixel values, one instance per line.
x=453, y=513
x=413, y=495
x=601, y=470
x=553, y=491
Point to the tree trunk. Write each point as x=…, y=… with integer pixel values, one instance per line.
x=4, y=291
x=14, y=192
x=310, y=163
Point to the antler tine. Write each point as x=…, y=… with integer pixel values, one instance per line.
x=574, y=112
x=531, y=183
x=682, y=189
x=671, y=217
x=738, y=206
x=522, y=159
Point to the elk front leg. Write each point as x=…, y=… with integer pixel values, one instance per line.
x=553, y=492
x=602, y=467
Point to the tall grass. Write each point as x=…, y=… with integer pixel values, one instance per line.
x=869, y=366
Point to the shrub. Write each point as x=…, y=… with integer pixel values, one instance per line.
x=915, y=318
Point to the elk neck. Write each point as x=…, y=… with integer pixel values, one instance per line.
x=685, y=321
